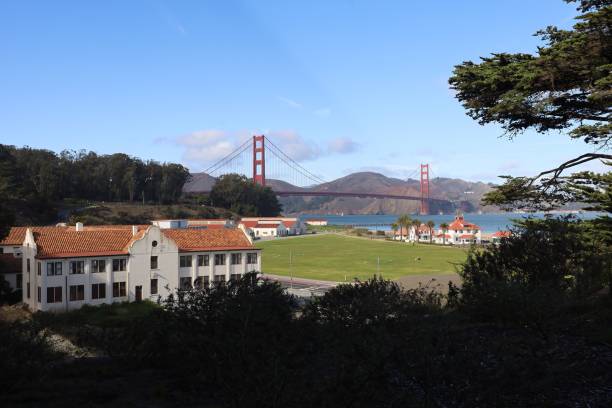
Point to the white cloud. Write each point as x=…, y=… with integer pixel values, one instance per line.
x=342, y=145
x=206, y=146
x=323, y=112
x=290, y=102
x=294, y=146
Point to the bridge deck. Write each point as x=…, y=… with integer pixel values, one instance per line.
x=346, y=194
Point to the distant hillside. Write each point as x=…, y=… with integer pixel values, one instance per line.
x=465, y=194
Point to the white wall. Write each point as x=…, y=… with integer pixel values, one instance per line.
x=140, y=265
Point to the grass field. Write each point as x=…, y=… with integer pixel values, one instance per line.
x=336, y=258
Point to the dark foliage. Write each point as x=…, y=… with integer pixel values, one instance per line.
x=536, y=272
x=368, y=344
x=564, y=86
x=240, y=195
x=25, y=354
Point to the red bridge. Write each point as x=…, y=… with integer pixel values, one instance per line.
x=250, y=157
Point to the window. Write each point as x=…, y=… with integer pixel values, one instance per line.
x=54, y=294
x=219, y=259
x=77, y=292
x=98, y=265
x=98, y=291
x=1, y=250
x=19, y=284
x=28, y=289
x=153, y=262
x=77, y=267
x=154, y=244
x=235, y=277
x=185, y=283
x=17, y=252
x=203, y=260
x=185, y=261
x=236, y=259
x=154, y=286
x=54, y=268
x=202, y=282
x=38, y=294
x=39, y=267
x=119, y=265
x=28, y=265
x=219, y=278
x=252, y=258
x=119, y=289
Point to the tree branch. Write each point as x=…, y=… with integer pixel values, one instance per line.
x=571, y=163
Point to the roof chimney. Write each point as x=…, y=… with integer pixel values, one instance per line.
x=79, y=226
x=134, y=230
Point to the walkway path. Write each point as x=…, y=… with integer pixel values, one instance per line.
x=438, y=282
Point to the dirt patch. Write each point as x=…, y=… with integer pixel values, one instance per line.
x=439, y=282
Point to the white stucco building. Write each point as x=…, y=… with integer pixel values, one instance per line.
x=316, y=221
x=292, y=225
x=64, y=268
x=459, y=232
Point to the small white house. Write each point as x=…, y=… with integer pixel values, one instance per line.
x=316, y=221
x=268, y=230
x=293, y=226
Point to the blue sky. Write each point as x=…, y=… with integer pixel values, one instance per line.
x=342, y=86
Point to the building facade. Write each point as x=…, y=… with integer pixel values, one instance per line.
x=292, y=225
x=459, y=232
x=64, y=268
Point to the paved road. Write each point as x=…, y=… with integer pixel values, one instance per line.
x=308, y=287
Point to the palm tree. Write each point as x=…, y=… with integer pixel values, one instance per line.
x=416, y=223
x=444, y=227
x=394, y=227
x=404, y=222
x=430, y=225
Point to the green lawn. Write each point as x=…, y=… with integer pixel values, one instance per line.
x=336, y=258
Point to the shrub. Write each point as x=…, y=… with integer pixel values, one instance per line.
x=534, y=273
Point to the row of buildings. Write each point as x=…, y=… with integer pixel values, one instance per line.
x=63, y=267
x=458, y=232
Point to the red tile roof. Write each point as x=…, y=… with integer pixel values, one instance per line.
x=191, y=240
x=62, y=242
x=249, y=224
x=459, y=224
x=65, y=241
x=501, y=234
x=267, y=225
x=466, y=236
x=16, y=235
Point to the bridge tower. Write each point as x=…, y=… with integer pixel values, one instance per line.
x=259, y=160
x=424, y=189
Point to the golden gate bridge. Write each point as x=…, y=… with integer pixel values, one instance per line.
x=264, y=161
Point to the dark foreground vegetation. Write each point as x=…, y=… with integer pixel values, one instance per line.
x=531, y=326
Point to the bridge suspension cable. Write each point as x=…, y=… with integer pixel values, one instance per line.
x=276, y=151
x=227, y=160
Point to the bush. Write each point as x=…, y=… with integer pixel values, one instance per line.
x=373, y=301
x=25, y=354
x=533, y=274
